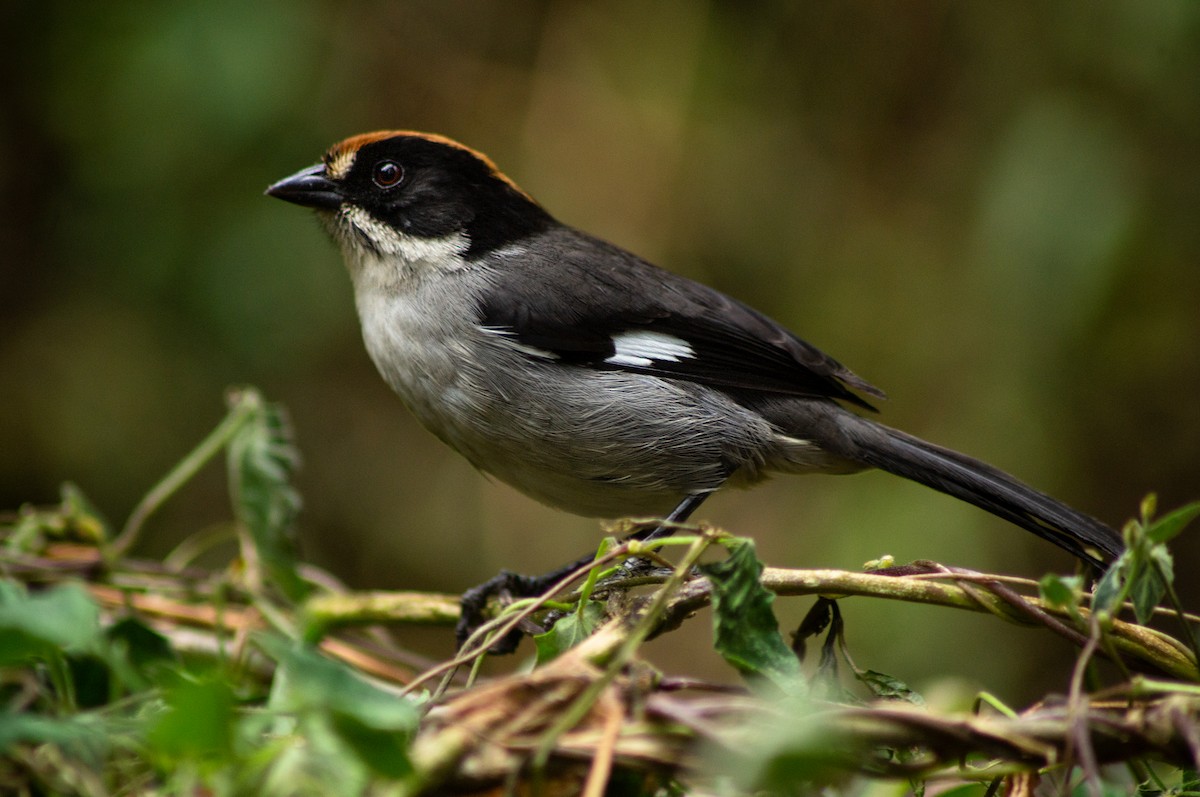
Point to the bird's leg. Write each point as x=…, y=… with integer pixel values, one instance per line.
x=474, y=600
x=690, y=503
x=636, y=565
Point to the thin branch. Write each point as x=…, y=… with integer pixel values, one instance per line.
x=243, y=404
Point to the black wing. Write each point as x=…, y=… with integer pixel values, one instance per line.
x=586, y=302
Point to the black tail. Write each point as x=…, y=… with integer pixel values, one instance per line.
x=984, y=486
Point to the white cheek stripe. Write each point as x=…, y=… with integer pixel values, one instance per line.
x=391, y=241
x=642, y=348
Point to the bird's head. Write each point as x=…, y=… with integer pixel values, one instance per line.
x=406, y=194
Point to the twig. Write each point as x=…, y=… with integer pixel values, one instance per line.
x=636, y=636
x=602, y=761
x=243, y=404
x=472, y=648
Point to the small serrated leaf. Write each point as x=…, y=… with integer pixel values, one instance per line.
x=1150, y=585
x=745, y=630
x=568, y=632
x=1146, y=594
x=889, y=687
x=262, y=460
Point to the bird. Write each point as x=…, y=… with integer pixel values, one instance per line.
x=590, y=379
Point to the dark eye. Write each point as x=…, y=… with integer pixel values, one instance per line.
x=387, y=174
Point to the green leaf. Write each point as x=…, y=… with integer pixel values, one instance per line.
x=1148, y=507
x=314, y=759
x=62, y=618
x=1108, y=590
x=1061, y=591
x=139, y=657
x=1104, y=787
x=91, y=680
x=307, y=680
x=1150, y=584
x=569, y=631
x=262, y=460
x=198, y=721
x=966, y=790
x=373, y=722
x=74, y=518
x=1168, y=527
x=745, y=630
x=78, y=735
x=889, y=687
x=83, y=520
x=146, y=650
x=382, y=751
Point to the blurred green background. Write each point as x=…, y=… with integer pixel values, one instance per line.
x=991, y=210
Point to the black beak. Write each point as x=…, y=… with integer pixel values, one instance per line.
x=310, y=188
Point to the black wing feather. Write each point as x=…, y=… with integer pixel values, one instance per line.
x=582, y=292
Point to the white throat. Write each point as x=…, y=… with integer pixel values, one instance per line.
x=379, y=256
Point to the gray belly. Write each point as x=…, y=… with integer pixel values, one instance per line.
x=597, y=443
x=602, y=443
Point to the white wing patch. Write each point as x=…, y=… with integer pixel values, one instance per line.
x=642, y=348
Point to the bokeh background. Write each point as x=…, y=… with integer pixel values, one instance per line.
x=991, y=210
